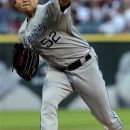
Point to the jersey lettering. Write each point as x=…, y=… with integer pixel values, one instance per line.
x=37, y=30
x=53, y=39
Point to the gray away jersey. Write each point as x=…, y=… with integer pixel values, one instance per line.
x=53, y=34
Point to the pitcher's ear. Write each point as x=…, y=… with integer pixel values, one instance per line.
x=15, y=5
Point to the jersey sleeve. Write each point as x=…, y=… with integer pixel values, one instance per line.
x=57, y=6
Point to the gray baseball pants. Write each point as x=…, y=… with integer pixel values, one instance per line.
x=87, y=80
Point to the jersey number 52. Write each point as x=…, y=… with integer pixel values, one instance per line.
x=53, y=38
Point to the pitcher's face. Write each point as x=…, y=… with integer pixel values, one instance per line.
x=26, y=6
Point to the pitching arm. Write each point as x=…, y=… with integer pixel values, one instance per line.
x=62, y=5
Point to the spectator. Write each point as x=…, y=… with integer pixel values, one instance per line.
x=83, y=13
x=10, y=19
x=5, y=17
x=97, y=14
x=127, y=15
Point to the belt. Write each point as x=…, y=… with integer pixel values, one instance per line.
x=77, y=63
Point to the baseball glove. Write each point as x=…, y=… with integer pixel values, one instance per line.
x=25, y=61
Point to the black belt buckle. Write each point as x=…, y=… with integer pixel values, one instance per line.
x=88, y=57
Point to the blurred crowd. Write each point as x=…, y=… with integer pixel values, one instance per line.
x=10, y=18
x=90, y=16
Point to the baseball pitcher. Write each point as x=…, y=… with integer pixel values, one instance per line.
x=72, y=62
